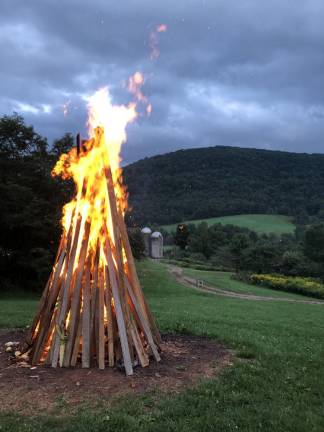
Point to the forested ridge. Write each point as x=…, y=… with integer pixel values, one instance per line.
x=220, y=181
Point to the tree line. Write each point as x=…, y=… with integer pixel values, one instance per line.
x=228, y=247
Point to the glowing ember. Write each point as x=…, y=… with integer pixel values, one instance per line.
x=154, y=40
x=162, y=28
x=149, y=109
x=66, y=107
x=135, y=83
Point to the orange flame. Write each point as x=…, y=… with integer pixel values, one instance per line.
x=135, y=83
x=94, y=255
x=107, y=131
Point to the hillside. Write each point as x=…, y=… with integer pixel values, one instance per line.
x=220, y=181
x=260, y=223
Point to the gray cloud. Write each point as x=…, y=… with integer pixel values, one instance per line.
x=244, y=73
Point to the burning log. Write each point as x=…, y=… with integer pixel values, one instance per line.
x=78, y=143
x=93, y=310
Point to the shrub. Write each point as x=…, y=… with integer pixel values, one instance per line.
x=198, y=257
x=299, y=285
x=194, y=265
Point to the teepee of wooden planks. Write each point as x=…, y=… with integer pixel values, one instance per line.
x=93, y=310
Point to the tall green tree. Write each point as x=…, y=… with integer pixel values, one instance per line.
x=18, y=140
x=237, y=246
x=181, y=236
x=137, y=242
x=314, y=243
x=201, y=241
x=62, y=145
x=31, y=203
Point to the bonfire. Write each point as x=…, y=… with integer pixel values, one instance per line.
x=93, y=311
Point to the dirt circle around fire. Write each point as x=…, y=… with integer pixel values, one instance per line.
x=31, y=390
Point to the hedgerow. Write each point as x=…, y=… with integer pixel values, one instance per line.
x=299, y=285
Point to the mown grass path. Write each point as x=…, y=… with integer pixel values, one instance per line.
x=177, y=273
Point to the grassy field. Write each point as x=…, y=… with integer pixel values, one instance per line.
x=260, y=223
x=224, y=281
x=276, y=383
x=16, y=310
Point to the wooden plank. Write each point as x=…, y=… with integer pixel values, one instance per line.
x=46, y=348
x=86, y=317
x=66, y=288
x=76, y=297
x=46, y=293
x=78, y=143
x=52, y=306
x=94, y=304
x=42, y=307
x=76, y=347
x=48, y=312
x=119, y=311
x=135, y=282
x=101, y=305
x=40, y=338
x=141, y=354
x=120, y=271
x=144, y=323
x=118, y=244
x=38, y=315
x=96, y=328
x=108, y=298
x=48, y=360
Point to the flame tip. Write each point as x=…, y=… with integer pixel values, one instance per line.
x=99, y=155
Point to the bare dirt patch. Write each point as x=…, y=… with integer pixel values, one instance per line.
x=185, y=359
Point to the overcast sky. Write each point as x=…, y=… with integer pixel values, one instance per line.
x=246, y=73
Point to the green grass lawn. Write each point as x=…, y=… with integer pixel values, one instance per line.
x=17, y=310
x=276, y=383
x=224, y=281
x=260, y=223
